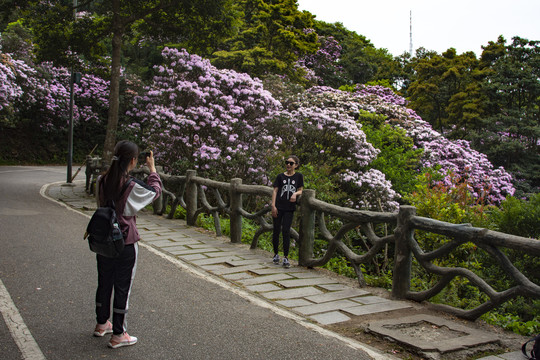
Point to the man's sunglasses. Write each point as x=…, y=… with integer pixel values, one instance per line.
x=290, y=163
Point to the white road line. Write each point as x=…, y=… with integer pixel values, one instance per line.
x=15, y=323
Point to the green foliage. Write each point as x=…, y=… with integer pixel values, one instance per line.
x=398, y=159
x=270, y=39
x=455, y=206
x=360, y=60
x=17, y=40
x=519, y=217
x=493, y=102
x=341, y=266
x=509, y=132
x=513, y=322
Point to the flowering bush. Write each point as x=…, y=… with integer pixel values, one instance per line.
x=322, y=67
x=325, y=130
x=452, y=156
x=217, y=121
x=322, y=111
x=42, y=94
x=10, y=90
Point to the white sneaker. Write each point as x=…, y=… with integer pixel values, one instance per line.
x=122, y=340
x=103, y=329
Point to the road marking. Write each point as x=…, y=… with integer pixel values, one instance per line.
x=18, y=329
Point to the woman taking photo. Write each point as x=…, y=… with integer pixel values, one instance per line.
x=117, y=273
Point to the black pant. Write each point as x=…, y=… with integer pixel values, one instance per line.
x=115, y=273
x=282, y=223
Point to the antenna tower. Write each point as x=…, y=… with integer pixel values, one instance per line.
x=410, y=42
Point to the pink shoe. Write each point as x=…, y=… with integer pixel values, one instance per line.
x=103, y=329
x=122, y=340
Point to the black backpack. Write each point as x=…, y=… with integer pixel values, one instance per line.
x=103, y=232
x=535, y=352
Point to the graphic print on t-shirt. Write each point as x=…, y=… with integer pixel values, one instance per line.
x=289, y=188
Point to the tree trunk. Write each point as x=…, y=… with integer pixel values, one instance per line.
x=114, y=94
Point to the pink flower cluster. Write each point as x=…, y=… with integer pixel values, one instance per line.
x=451, y=156
x=43, y=93
x=194, y=114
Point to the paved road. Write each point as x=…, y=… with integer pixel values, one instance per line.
x=48, y=278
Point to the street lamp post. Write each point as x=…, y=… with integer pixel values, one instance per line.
x=71, y=101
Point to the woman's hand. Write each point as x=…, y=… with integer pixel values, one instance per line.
x=274, y=211
x=150, y=162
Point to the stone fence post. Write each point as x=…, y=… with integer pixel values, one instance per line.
x=191, y=198
x=307, y=227
x=401, y=280
x=236, y=206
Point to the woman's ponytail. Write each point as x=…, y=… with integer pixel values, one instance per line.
x=117, y=174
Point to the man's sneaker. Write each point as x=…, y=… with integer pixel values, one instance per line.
x=286, y=263
x=276, y=259
x=122, y=340
x=103, y=329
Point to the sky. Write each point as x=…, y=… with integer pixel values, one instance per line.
x=465, y=25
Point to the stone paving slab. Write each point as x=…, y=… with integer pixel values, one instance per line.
x=334, y=287
x=179, y=240
x=305, y=282
x=162, y=243
x=221, y=253
x=214, y=267
x=240, y=262
x=265, y=279
x=179, y=250
x=367, y=300
x=270, y=268
x=516, y=355
x=195, y=251
x=415, y=331
x=216, y=260
x=263, y=288
x=307, y=275
x=192, y=257
x=329, y=318
x=325, y=307
x=377, y=308
x=238, y=276
x=291, y=293
x=337, y=295
x=293, y=303
x=235, y=269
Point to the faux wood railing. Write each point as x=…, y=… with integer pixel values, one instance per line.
x=192, y=192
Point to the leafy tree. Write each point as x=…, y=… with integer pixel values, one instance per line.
x=439, y=84
x=11, y=11
x=17, y=40
x=273, y=35
x=360, y=60
x=510, y=130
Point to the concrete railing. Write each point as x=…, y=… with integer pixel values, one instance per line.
x=194, y=194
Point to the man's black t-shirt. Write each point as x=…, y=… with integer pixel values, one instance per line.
x=287, y=185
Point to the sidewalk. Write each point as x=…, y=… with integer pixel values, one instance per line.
x=310, y=293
